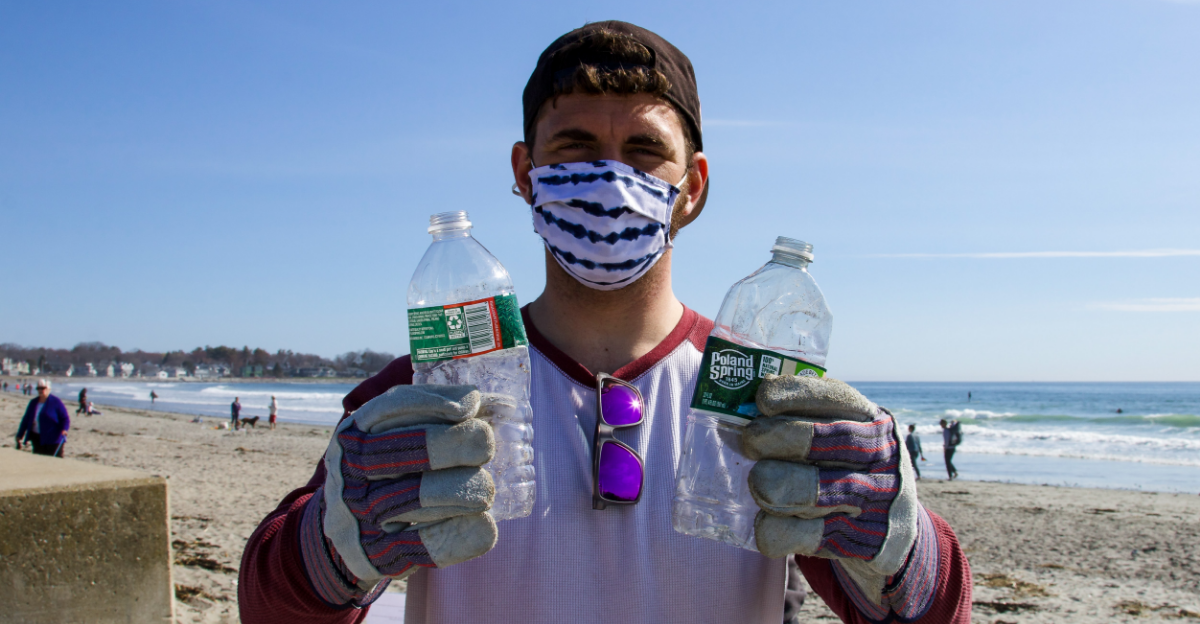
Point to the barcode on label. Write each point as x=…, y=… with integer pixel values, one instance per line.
x=481, y=333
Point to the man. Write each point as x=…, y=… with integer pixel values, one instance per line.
x=45, y=423
x=611, y=111
x=235, y=411
x=913, y=442
x=950, y=440
x=272, y=410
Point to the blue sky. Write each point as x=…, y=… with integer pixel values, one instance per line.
x=175, y=174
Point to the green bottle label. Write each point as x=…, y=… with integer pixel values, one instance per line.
x=731, y=373
x=465, y=329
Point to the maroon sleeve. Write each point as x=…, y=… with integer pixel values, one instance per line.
x=272, y=585
x=951, y=601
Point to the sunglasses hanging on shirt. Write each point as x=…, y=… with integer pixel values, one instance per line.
x=618, y=472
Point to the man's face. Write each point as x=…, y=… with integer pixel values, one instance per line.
x=642, y=131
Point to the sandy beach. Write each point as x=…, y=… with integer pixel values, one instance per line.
x=1039, y=554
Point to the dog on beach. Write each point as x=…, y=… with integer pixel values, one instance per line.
x=250, y=421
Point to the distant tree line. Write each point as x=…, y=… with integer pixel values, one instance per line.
x=243, y=362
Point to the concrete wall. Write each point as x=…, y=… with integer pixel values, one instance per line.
x=81, y=542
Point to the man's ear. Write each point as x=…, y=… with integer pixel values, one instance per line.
x=697, y=190
x=522, y=164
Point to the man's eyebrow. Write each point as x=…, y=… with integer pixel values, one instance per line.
x=648, y=140
x=572, y=134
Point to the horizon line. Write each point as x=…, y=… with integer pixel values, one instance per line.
x=1006, y=255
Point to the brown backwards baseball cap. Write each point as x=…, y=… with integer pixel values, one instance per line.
x=559, y=62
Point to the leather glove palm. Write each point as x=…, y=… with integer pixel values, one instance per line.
x=403, y=489
x=833, y=480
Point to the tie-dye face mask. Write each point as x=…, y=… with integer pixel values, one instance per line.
x=605, y=222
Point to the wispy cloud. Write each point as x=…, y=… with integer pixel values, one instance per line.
x=1182, y=304
x=1004, y=255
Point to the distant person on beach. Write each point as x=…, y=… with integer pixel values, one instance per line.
x=951, y=438
x=83, y=403
x=45, y=423
x=912, y=441
x=968, y=396
x=272, y=409
x=235, y=412
x=612, y=147
x=153, y=395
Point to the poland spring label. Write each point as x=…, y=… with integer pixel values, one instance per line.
x=730, y=375
x=465, y=329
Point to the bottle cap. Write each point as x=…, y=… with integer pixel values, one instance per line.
x=448, y=221
x=794, y=247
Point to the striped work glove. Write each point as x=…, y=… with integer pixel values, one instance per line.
x=403, y=489
x=833, y=480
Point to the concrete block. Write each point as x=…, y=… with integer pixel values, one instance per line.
x=81, y=542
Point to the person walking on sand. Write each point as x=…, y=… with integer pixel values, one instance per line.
x=153, y=395
x=271, y=410
x=235, y=412
x=913, y=443
x=45, y=423
x=610, y=170
x=951, y=437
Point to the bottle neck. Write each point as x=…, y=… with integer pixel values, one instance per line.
x=446, y=234
x=788, y=259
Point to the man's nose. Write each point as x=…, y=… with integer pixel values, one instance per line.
x=611, y=150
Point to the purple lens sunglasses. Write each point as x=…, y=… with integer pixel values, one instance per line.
x=617, y=470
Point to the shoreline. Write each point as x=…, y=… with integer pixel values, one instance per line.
x=221, y=380
x=1039, y=553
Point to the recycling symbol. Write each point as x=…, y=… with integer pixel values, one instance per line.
x=454, y=322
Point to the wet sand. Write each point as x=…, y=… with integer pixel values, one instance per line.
x=1039, y=554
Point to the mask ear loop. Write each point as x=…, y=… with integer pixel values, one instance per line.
x=514, y=186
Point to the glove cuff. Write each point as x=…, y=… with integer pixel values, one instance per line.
x=326, y=571
x=909, y=593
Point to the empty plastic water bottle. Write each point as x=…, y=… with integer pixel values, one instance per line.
x=773, y=322
x=465, y=327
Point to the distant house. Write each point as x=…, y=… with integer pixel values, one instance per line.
x=317, y=371
x=125, y=369
x=172, y=372
x=255, y=370
x=107, y=371
x=9, y=366
x=211, y=371
x=206, y=371
x=83, y=370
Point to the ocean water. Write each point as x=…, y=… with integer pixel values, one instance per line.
x=1052, y=433
x=1057, y=433
x=308, y=403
